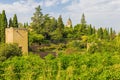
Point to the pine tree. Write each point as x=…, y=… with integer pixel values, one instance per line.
x=15, y=21
x=90, y=30
x=106, y=34
x=57, y=35
x=25, y=25
x=3, y=25
x=0, y=19
x=10, y=23
x=83, y=21
x=0, y=26
x=94, y=30
x=100, y=33
x=60, y=24
x=53, y=24
x=111, y=34
x=83, y=24
x=38, y=20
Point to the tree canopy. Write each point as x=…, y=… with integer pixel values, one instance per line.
x=15, y=21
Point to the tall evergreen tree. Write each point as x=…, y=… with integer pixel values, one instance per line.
x=114, y=34
x=83, y=24
x=53, y=24
x=3, y=25
x=111, y=33
x=100, y=33
x=83, y=21
x=0, y=19
x=10, y=23
x=0, y=26
x=60, y=24
x=57, y=35
x=47, y=27
x=94, y=30
x=106, y=34
x=37, y=20
x=25, y=25
x=90, y=30
x=15, y=21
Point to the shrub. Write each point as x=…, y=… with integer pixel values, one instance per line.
x=9, y=50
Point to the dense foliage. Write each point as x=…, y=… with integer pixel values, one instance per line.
x=3, y=25
x=82, y=51
x=9, y=50
x=87, y=66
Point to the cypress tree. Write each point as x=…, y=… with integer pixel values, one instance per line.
x=83, y=24
x=100, y=33
x=111, y=33
x=25, y=25
x=60, y=24
x=106, y=34
x=53, y=24
x=0, y=19
x=0, y=27
x=59, y=30
x=90, y=30
x=94, y=30
x=3, y=25
x=10, y=23
x=83, y=21
x=15, y=21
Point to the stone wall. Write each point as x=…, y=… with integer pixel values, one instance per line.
x=19, y=36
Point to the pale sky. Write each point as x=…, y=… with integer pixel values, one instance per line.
x=100, y=13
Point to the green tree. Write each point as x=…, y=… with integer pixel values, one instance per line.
x=47, y=27
x=83, y=24
x=106, y=34
x=20, y=25
x=0, y=27
x=60, y=24
x=15, y=21
x=100, y=33
x=68, y=33
x=83, y=21
x=10, y=23
x=90, y=30
x=3, y=26
x=53, y=24
x=112, y=34
x=57, y=35
x=26, y=25
x=94, y=30
x=78, y=31
x=37, y=20
x=35, y=38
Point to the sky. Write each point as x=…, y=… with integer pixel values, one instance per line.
x=99, y=13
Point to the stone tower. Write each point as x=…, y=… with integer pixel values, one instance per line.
x=69, y=23
x=19, y=36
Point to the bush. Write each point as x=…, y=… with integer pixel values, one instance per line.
x=35, y=38
x=9, y=50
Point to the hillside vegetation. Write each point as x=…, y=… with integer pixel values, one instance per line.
x=81, y=52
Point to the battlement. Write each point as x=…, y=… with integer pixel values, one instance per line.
x=24, y=29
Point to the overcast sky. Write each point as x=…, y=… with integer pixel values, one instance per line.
x=100, y=13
